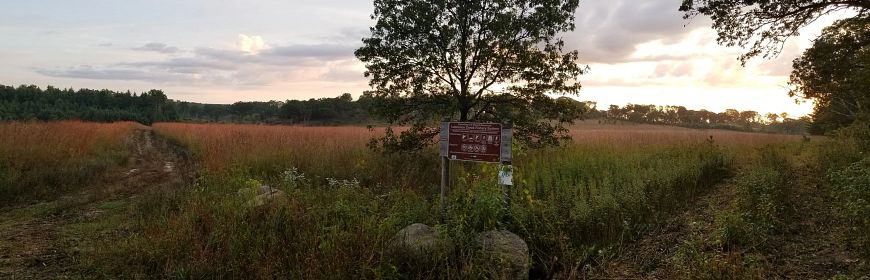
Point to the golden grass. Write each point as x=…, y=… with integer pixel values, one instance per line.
x=336, y=151
x=38, y=155
x=221, y=145
x=37, y=143
x=625, y=134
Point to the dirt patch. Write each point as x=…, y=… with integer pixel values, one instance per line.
x=30, y=243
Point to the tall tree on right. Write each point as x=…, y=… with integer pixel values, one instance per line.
x=833, y=72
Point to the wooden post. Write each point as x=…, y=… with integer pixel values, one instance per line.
x=445, y=166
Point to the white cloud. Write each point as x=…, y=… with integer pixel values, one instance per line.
x=252, y=44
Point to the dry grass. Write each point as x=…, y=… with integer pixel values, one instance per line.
x=221, y=145
x=39, y=157
x=570, y=203
x=625, y=134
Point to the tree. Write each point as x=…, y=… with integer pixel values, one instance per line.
x=772, y=118
x=485, y=60
x=764, y=25
x=835, y=72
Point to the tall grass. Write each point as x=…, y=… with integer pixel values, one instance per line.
x=345, y=202
x=319, y=152
x=38, y=159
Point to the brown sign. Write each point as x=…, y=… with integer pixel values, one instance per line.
x=474, y=141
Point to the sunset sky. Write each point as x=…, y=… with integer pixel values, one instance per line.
x=221, y=51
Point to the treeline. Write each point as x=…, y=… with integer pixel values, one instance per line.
x=336, y=110
x=680, y=116
x=33, y=103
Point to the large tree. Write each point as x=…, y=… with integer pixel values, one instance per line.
x=489, y=60
x=763, y=26
x=835, y=72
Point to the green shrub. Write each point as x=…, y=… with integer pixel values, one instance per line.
x=851, y=186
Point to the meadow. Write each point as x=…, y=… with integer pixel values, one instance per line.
x=575, y=206
x=345, y=202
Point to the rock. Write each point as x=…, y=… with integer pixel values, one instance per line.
x=264, y=189
x=417, y=241
x=506, y=252
x=264, y=195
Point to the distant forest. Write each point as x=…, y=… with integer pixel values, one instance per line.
x=33, y=103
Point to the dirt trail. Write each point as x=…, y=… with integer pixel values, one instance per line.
x=810, y=246
x=31, y=246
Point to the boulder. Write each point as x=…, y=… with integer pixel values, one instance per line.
x=417, y=242
x=505, y=252
x=264, y=195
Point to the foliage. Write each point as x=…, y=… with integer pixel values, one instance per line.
x=33, y=103
x=484, y=61
x=729, y=119
x=851, y=185
x=763, y=26
x=834, y=73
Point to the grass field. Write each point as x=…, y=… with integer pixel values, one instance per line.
x=576, y=206
x=346, y=202
x=39, y=159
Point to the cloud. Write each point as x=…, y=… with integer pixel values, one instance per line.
x=250, y=63
x=251, y=44
x=157, y=47
x=90, y=72
x=105, y=45
x=609, y=31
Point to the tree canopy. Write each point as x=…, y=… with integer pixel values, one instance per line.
x=835, y=72
x=489, y=60
x=763, y=26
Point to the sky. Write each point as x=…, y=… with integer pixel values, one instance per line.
x=222, y=51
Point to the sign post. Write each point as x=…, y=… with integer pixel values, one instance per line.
x=506, y=170
x=445, y=165
x=480, y=142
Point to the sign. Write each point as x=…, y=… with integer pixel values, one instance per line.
x=482, y=142
x=474, y=141
x=506, y=175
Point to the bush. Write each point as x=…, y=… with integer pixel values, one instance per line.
x=851, y=186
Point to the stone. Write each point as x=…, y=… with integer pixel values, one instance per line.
x=264, y=195
x=506, y=252
x=264, y=189
x=418, y=242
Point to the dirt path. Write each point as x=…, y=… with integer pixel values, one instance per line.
x=31, y=246
x=810, y=246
